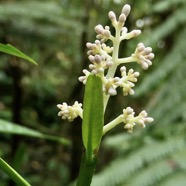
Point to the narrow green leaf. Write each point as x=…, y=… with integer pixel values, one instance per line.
x=12, y=128
x=15, y=176
x=9, y=49
x=92, y=115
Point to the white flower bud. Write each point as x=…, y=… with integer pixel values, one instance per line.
x=97, y=58
x=136, y=33
x=116, y=79
x=144, y=65
x=128, y=126
x=132, y=34
x=94, y=71
x=147, y=51
x=136, y=74
x=140, y=47
x=150, y=56
x=123, y=69
x=109, y=63
x=106, y=33
x=129, y=110
x=124, y=30
x=131, y=71
x=148, y=62
x=131, y=92
x=112, y=16
x=91, y=66
x=126, y=9
x=91, y=58
x=122, y=18
x=112, y=91
x=100, y=70
x=143, y=113
x=99, y=29
x=149, y=120
x=89, y=45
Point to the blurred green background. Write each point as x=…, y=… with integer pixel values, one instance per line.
x=54, y=33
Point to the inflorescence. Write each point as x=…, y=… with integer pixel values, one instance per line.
x=104, y=61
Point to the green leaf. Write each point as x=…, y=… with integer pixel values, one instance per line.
x=12, y=128
x=13, y=174
x=92, y=115
x=9, y=49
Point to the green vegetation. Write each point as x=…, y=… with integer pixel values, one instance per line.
x=47, y=151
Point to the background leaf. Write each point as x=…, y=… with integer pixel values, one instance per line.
x=92, y=114
x=12, y=128
x=9, y=49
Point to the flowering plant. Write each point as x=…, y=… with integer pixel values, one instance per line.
x=101, y=83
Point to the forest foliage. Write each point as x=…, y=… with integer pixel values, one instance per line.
x=54, y=33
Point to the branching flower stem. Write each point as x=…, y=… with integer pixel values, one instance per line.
x=112, y=124
x=111, y=71
x=104, y=61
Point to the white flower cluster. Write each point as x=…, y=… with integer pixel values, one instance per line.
x=70, y=112
x=104, y=61
x=143, y=55
x=126, y=82
x=103, y=57
x=130, y=121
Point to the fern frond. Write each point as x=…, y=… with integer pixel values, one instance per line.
x=176, y=179
x=165, y=67
x=169, y=102
x=40, y=18
x=158, y=170
x=172, y=23
x=166, y=5
x=119, y=170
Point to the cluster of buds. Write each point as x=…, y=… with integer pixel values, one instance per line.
x=104, y=62
x=103, y=34
x=126, y=82
x=143, y=55
x=70, y=112
x=100, y=57
x=130, y=121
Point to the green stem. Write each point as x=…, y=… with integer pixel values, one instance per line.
x=126, y=60
x=111, y=71
x=86, y=171
x=112, y=124
x=18, y=179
